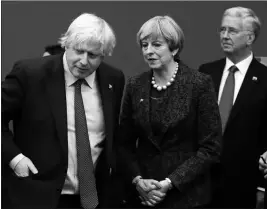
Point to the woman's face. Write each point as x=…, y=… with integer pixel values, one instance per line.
x=156, y=52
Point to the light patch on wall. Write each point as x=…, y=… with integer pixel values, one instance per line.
x=263, y=60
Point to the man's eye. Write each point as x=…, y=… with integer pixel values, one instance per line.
x=233, y=31
x=222, y=29
x=92, y=55
x=79, y=51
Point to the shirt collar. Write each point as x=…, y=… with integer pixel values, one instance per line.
x=70, y=79
x=242, y=65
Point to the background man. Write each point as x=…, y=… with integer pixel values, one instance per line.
x=240, y=82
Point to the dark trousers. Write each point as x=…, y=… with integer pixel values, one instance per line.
x=69, y=201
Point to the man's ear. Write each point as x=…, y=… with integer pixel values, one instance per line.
x=251, y=38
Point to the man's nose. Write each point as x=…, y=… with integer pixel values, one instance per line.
x=225, y=34
x=84, y=58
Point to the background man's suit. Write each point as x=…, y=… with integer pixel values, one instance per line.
x=244, y=138
x=33, y=95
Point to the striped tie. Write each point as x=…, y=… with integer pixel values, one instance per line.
x=226, y=102
x=87, y=185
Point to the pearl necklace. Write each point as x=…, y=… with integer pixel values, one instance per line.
x=159, y=88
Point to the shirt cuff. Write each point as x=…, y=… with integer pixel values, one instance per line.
x=13, y=163
x=261, y=189
x=170, y=182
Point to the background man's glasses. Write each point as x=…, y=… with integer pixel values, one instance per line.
x=230, y=31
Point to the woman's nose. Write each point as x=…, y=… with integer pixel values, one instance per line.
x=149, y=50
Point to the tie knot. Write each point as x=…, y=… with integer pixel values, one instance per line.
x=79, y=82
x=233, y=69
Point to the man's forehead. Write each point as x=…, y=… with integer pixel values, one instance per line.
x=232, y=19
x=88, y=46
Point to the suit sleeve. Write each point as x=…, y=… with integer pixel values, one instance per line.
x=13, y=92
x=128, y=136
x=209, y=138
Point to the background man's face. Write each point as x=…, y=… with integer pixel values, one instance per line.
x=233, y=35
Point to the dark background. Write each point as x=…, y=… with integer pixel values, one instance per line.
x=27, y=27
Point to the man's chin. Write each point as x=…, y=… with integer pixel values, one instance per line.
x=227, y=50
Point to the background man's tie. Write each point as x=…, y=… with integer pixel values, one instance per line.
x=227, y=97
x=86, y=176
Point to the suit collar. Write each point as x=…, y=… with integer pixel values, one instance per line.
x=242, y=65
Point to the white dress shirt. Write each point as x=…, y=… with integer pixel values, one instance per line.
x=239, y=75
x=95, y=124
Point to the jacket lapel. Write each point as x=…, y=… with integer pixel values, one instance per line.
x=245, y=91
x=56, y=95
x=178, y=104
x=216, y=75
x=106, y=91
x=143, y=103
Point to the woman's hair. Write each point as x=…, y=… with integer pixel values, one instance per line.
x=87, y=29
x=166, y=27
x=248, y=16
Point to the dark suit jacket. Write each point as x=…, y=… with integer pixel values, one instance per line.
x=33, y=96
x=190, y=138
x=244, y=138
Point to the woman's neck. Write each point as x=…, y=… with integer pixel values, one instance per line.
x=163, y=75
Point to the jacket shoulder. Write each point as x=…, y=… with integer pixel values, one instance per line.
x=37, y=65
x=206, y=67
x=111, y=69
x=140, y=78
x=260, y=65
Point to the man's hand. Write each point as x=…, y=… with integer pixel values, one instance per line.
x=263, y=165
x=24, y=167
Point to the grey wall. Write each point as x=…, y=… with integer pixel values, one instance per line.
x=28, y=26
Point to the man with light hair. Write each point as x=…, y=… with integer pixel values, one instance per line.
x=65, y=110
x=240, y=83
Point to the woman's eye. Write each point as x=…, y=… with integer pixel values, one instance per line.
x=157, y=44
x=144, y=45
